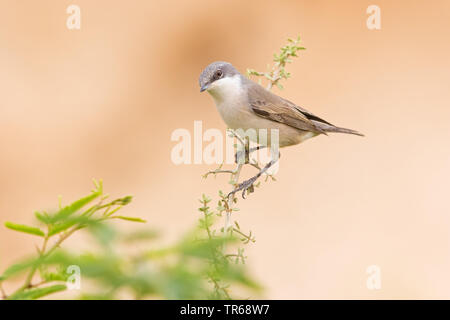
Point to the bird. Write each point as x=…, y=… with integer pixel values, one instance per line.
x=244, y=104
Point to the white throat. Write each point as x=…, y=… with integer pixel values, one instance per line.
x=231, y=101
x=226, y=89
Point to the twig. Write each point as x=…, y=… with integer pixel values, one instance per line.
x=219, y=288
x=248, y=238
x=235, y=177
x=44, y=254
x=278, y=71
x=218, y=170
x=34, y=268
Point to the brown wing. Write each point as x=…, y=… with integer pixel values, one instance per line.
x=268, y=105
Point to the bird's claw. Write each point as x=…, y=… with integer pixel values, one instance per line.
x=244, y=186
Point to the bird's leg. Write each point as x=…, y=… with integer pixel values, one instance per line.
x=248, y=183
x=245, y=154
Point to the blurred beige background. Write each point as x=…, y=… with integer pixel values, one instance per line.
x=103, y=101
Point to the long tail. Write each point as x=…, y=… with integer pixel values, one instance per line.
x=330, y=128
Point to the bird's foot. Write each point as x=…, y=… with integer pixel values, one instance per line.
x=247, y=185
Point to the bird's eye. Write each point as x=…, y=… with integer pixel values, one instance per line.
x=218, y=74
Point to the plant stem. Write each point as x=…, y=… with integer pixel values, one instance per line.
x=3, y=292
x=235, y=176
x=275, y=78
x=219, y=288
x=43, y=254
x=34, y=268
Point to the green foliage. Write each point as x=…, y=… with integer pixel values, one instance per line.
x=63, y=223
x=278, y=71
x=36, y=293
x=130, y=219
x=24, y=228
x=220, y=261
x=192, y=268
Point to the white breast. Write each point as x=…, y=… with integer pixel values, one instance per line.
x=231, y=101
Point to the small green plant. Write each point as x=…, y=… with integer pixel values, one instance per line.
x=278, y=71
x=192, y=268
x=219, y=260
x=60, y=226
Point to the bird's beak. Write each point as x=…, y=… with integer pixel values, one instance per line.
x=204, y=87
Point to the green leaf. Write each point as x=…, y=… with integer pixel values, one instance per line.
x=23, y=228
x=36, y=293
x=140, y=235
x=20, y=267
x=15, y=268
x=63, y=226
x=75, y=206
x=130, y=219
x=52, y=276
x=42, y=217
